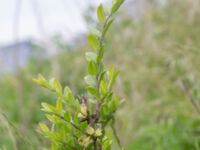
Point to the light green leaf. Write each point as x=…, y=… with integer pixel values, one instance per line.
x=43, y=127
x=95, y=31
x=67, y=116
x=93, y=41
x=92, y=68
x=112, y=106
x=107, y=9
x=91, y=56
x=59, y=105
x=41, y=81
x=51, y=118
x=90, y=80
x=112, y=75
x=101, y=13
x=107, y=141
x=114, y=1
x=100, y=54
x=105, y=111
x=68, y=96
x=93, y=91
x=48, y=108
x=116, y=5
x=56, y=85
x=101, y=76
x=103, y=87
x=107, y=27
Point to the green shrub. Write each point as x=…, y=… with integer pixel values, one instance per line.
x=80, y=122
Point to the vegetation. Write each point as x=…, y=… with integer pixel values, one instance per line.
x=80, y=122
x=158, y=58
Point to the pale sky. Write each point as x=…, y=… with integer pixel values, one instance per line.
x=59, y=16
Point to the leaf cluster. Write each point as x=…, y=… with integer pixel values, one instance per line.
x=79, y=122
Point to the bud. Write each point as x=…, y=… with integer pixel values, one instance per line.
x=84, y=141
x=90, y=130
x=83, y=111
x=98, y=132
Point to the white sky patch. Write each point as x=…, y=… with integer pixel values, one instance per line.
x=58, y=16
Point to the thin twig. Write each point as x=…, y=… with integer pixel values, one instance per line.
x=115, y=134
x=187, y=92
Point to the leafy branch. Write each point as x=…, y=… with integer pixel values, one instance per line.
x=80, y=123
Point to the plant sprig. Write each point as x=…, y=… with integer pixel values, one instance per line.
x=80, y=123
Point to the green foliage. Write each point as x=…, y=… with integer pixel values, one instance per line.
x=81, y=122
x=116, y=5
x=152, y=53
x=101, y=14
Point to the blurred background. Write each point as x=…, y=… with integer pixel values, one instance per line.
x=154, y=43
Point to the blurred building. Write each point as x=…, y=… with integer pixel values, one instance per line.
x=15, y=55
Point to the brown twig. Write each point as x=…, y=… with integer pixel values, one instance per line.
x=184, y=87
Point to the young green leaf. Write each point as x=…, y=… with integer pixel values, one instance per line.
x=67, y=116
x=116, y=5
x=41, y=81
x=101, y=76
x=100, y=54
x=91, y=56
x=69, y=97
x=90, y=80
x=92, y=68
x=59, y=105
x=95, y=31
x=103, y=87
x=56, y=85
x=112, y=75
x=107, y=9
x=107, y=27
x=48, y=108
x=101, y=14
x=93, y=91
x=43, y=127
x=93, y=41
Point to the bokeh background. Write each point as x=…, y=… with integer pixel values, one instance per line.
x=154, y=43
